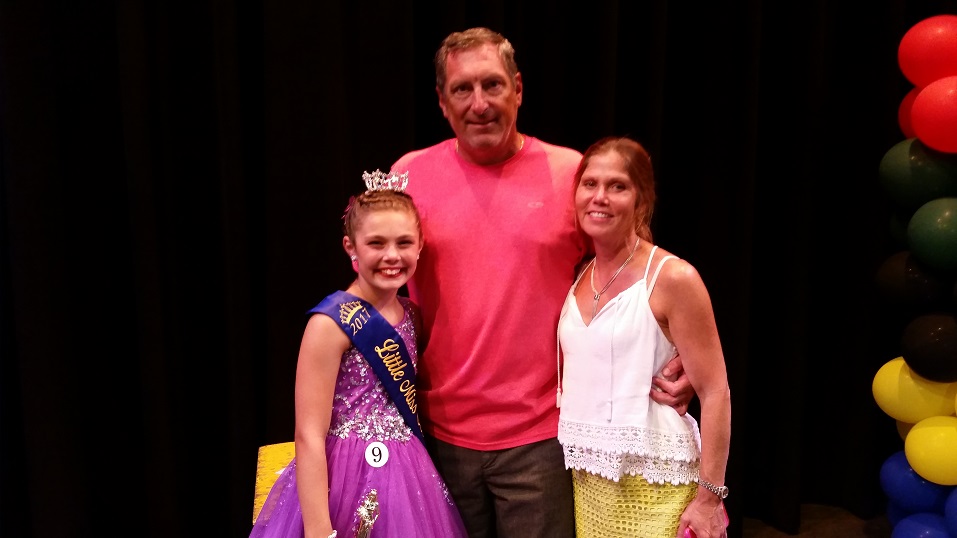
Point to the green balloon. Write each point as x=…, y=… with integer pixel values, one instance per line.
x=898, y=229
x=932, y=234
x=913, y=174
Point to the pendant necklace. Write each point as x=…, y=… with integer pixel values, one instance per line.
x=594, y=308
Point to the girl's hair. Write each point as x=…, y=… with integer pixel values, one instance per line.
x=378, y=200
x=639, y=170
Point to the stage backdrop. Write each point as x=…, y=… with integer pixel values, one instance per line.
x=174, y=174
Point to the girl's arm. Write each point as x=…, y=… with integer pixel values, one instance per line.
x=320, y=353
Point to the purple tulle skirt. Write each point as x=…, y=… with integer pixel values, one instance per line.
x=413, y=499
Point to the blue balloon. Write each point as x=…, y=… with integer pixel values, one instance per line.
x=895, y=513
x=908, y=490
x=950, y=512
x=921, y=525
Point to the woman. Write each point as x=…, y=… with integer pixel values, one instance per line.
x=639, y=468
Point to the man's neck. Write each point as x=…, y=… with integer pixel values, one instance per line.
x=494, y=155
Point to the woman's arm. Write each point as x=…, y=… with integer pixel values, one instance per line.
x=689, y=322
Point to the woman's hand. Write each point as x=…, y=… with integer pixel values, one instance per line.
x=704, y=518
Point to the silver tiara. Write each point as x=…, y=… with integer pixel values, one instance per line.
x=377, y=181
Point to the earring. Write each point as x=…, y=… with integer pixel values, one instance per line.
x=353, y=257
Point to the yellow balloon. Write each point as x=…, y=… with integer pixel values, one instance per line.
x=908, y=397
x=903, y=428
x=931, y=449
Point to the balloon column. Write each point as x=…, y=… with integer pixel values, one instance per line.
x=919, y=388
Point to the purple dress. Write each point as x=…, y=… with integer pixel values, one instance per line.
x=412, y=497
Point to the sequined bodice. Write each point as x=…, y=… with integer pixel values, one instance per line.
x=361, y=406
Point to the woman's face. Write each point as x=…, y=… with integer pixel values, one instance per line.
x=605, y=198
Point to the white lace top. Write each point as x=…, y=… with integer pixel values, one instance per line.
x=608, y=424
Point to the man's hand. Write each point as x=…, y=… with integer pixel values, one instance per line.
x=672, y=387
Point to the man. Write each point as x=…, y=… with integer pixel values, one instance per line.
x=500, y=253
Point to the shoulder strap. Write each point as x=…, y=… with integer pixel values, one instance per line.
x=648, y=265
x=382, y=347
x=651, y=286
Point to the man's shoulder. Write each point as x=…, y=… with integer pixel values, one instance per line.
x=555, y=147
x=405, y=161
x=561, y=159
x=560, y=152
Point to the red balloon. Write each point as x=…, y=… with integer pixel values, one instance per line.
x=934, y=115
x=928, y=51
x=903, y=113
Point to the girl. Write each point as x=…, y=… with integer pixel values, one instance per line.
x=360, y=467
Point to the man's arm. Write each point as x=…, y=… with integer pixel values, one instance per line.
x=672, y=387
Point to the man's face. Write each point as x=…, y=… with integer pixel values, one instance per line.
x=481, y=103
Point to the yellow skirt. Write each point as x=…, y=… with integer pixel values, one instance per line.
x=631, y=507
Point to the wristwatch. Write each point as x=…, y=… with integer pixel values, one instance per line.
x=720, y=491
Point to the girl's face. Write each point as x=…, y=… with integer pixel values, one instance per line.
x=605, y=198
x=386, y=247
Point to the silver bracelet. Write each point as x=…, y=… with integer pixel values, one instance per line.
x=720, y=491
x=334, y=534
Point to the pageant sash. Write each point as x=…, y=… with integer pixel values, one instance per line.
x=382, y=347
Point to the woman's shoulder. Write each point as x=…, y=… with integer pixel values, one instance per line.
x=673, y=268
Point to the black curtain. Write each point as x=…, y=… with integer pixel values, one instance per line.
x=174, y=174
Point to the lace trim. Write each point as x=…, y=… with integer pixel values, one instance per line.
x=612, y=452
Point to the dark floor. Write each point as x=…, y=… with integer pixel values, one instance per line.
x=824, y=522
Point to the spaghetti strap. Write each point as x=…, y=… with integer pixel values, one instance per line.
x=654, y=279
x=648, y=265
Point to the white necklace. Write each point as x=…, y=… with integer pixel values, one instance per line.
x=594, y=308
